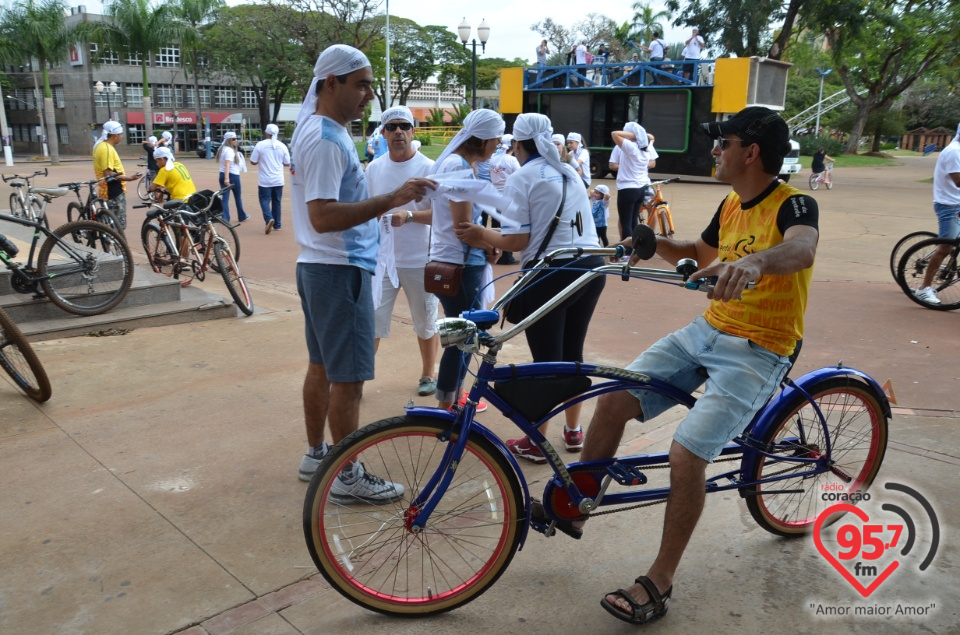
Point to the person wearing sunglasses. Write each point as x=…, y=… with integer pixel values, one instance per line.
x=404, y=243
x=764, y=231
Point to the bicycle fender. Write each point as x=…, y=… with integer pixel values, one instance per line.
x=476, y=426
x=776, y=408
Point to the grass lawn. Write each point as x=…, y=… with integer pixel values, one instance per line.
x=855, y=161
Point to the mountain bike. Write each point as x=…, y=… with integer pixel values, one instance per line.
x=820, y=177
x=659, y=217
x=181, y=239
x=946, y=281
x=143, y=184
x=19, y=360
x=94, y=209
x=465, y=507
x=225, y=230
x=78, y=278
x=23, y=203
x=902, y=245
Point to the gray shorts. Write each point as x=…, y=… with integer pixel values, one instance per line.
x=337, y=307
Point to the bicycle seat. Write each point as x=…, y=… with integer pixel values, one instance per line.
x=16, y=183
x=52, y=192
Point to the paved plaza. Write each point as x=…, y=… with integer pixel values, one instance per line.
x=156, y=492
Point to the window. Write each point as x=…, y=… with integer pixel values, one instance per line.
x=249, y=98
x=135, y=135
x=168, y=57
x=134, y=59
x=58, y=100
x=105, y=58
x=205, y=97
x=134, y=95
x=63, y=133
x=187, y=96
x=225, y=96
x=164, y=95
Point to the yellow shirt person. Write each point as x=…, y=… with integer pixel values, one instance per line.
x=173, y=176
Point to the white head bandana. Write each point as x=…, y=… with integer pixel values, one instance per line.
x=167, y=136
x=109, y=128
x=397, y=112
x=229, y=135
x=639, y=132
x=482, y=124
x=274, y=131
x=557, y=138
x=336, y=60
x=152, y=140
x=164, y=153
x=574, y=136
x=538, y=127
x=415, y=145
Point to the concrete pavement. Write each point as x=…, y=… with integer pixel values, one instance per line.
x=156, y=491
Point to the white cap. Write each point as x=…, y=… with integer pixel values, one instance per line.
x=603, y=189
x=164, y=153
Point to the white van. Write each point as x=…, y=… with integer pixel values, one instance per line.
x=791, y=162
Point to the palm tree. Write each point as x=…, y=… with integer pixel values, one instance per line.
x=137, y=29
x=192, y=16
x=40, y=32
x=646, y=22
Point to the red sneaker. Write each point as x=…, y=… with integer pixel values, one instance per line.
x=573, y=439
x=462, y=402
x=524, y=449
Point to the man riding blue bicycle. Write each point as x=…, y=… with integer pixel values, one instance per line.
x=766, y=232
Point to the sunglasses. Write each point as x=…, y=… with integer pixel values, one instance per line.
x=392, y=127
x=724, y=143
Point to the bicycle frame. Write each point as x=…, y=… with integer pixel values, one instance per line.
x=470, y=336
x=24, y=269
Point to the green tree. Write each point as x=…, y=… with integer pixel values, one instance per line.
x=560, y=38
x=136, y=29
x=741, y=27
x=39, y=31
x=646, y=21
x=933, y=101
x=193, y=16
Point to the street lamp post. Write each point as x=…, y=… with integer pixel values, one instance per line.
x=483, y=32
x=110, y=90
x=822, y=74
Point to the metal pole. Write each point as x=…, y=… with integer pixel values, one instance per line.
x=5, y=132
x=816, y=130
x=43, y=126
x=474, y=43
x=388, y=57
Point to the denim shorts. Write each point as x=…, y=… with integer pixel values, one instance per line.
x=337, y=307
x=739, y=377
x=949, y=223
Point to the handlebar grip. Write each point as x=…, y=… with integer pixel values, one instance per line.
x=140, y=206
x=644, y=242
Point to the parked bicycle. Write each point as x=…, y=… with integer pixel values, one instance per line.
x=20, y=361
x=465, y=507
x=226, y=231
x=659, y=217
x=94, y=209
x=23, y=202
x=946, y=280
x=78, y=278
x=825, y=177
x=143, y=184
x=182, y=239
x=903, y=245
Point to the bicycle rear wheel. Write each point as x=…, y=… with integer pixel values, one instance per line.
x=16, y=206
x=231, y=275
x=156, y=244
x=368, y=553
x=902, y=245
x=946, y=281
x=857, y=426
x=84, y=280
x=814, y=181
x=20, y=362
x=143, y=186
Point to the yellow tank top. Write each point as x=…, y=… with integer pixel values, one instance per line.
x=771, y=314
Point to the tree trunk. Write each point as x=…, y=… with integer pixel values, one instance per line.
x=196, y=98
x=147, y=107
x=780, y=44
x=859, y=123
x=50, y=124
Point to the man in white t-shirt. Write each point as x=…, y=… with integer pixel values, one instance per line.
x=335, y=225
x=946, y=204
x=691, y=53
x=656, y=51
x=270, y=156
x=581, y=155
x=404, y=243
x=581, y=58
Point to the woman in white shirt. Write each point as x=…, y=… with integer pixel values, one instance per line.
x=475, y=143
x=231, y=164
x=637, y=156
x=538, y=188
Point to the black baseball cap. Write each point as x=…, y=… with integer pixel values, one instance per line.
x=755, y=124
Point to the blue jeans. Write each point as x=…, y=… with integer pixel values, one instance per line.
x=453, y=363
x=270, y=203
x=949, y=224
x=235, y=182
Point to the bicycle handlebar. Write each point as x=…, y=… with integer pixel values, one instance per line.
x=42, y=172
x=75, y=185
x=675, y=179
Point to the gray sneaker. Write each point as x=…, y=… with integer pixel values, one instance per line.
x=311, y=461
x=362, y=487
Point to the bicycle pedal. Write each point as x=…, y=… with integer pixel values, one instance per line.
x=626, y=475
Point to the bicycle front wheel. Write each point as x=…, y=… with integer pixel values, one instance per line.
x=156, y=244
x=231, y=275
x=814, y=181
x=857, y=426
x=903, y=245
x=368, y=553
x=81, y=279
x=226, y=231
x=20, y=362
x=946, y=280
x=143, y=188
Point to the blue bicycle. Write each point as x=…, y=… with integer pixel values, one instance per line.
x=465, y=508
